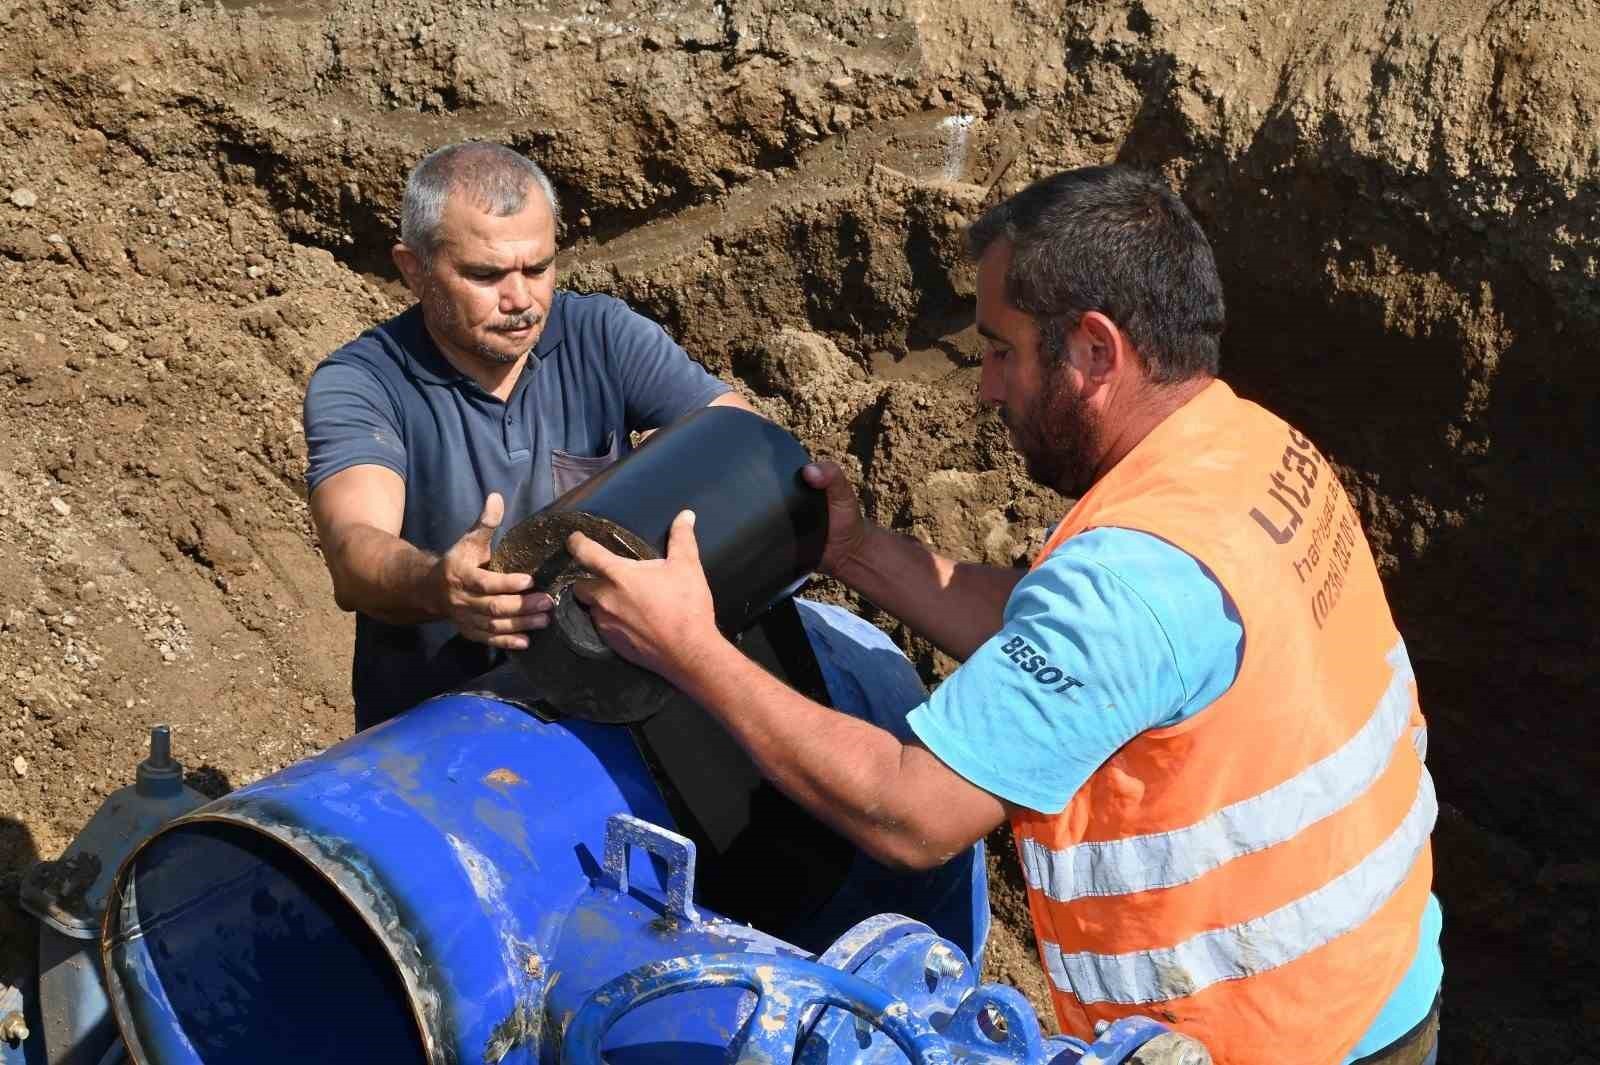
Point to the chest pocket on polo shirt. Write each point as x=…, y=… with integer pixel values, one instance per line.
x=568, y=471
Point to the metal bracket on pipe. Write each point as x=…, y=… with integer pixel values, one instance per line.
x=624, y=831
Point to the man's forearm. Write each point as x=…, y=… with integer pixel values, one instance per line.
x=840, y=768
x=957, y=605
x=897, y=801
x=383, y=576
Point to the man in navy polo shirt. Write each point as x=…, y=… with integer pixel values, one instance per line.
x=481, y=404
x=487, y=399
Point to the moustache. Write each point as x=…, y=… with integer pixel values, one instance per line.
x=517, y=322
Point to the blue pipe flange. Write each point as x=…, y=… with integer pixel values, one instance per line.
x=926, y=973
x=867, y=938
x=999, y=1020
x=785, y=990
x=862, y=941
x=1141, y=1039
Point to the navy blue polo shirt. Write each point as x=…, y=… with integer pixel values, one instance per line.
x=390, y=398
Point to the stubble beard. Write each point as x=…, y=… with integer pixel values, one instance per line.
x=495, y=355
x=1056, y=435
x=466, y=340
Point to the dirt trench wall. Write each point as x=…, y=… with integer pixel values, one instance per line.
x=196, y=202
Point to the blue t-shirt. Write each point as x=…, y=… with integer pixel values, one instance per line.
x=1117, y=632
x=390, y=398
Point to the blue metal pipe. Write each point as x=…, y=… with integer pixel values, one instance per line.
x=433, y=874
x=469, y=883
x=424, y=869
x=434, y=867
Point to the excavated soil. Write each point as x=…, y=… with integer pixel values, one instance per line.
x=196, y=203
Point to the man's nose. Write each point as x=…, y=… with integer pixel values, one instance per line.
x=516, y=293
x=991, y=392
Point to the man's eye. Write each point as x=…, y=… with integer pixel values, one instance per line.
x=536, y=271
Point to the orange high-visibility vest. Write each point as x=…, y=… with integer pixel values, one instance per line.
x=1256, y=874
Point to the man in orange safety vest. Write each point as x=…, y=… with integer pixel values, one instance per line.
x=1194, y=709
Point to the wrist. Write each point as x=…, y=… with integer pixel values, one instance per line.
x=699, y=661
x=432, y=586
x=854, y=569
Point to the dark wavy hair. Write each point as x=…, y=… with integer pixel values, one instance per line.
x=1119, y=241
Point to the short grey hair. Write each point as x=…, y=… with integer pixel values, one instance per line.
x=496, y=179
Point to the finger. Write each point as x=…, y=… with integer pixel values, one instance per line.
x=838, y=489
x=591, y=556
x=681, y=544
x=820, y=474
x=507, y=643
x=829, y=477
x=509, y=626
x=512, y=606
x=585, y=589
x=480, y=581
x=494, y=510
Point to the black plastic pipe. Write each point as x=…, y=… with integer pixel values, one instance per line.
x=759, y=527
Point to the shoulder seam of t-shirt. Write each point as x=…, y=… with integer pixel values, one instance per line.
x=560, y=300
x=620, y=314
x=608, y=325
x=1172, y=651
x=599, y=297
x=1230, y=612
x=606, y=305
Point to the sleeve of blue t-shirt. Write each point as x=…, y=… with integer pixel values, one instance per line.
x=660, y=382
x=349, y=421
x=1117, y=632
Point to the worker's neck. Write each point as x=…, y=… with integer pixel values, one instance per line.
x=1139, y=414
x=494, y=377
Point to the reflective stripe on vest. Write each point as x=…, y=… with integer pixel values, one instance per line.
x=1167, y=859
x=1256, y=946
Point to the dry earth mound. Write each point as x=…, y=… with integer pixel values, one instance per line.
x=195, y=206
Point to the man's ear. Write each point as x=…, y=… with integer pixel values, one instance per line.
x=409, y=263
x=1104, y=351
